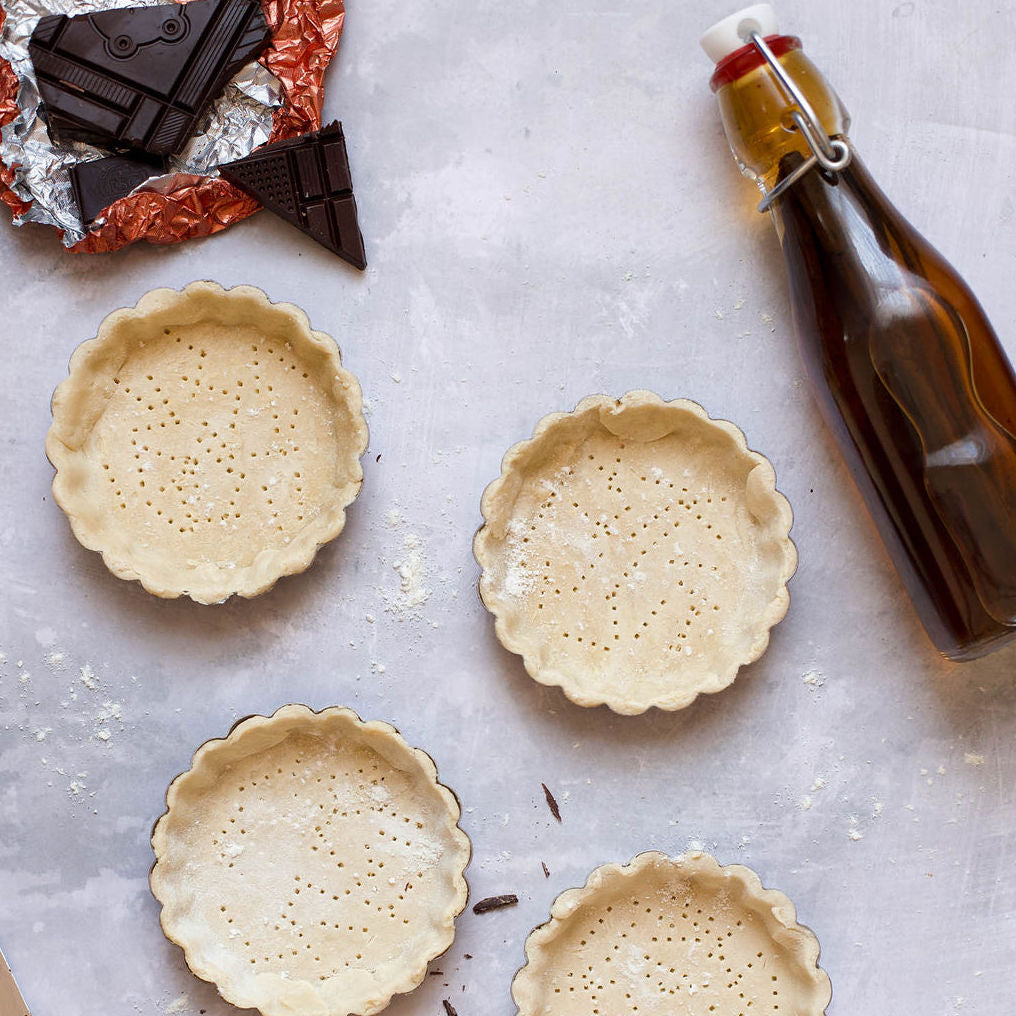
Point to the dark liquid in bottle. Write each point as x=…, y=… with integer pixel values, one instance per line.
x=919, y=393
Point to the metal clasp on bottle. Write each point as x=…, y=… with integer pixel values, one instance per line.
x=829, y=153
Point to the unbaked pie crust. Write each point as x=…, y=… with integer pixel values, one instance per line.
x=207, y=442
x=672, y=935
x=635, y=552
x=310, y=863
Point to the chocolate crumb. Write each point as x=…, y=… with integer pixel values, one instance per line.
x=436, y=973
x=551, y=803
x=449, y=1008
x=378, y=459
x=468, y=956
x=546, y=870
x=495, y=903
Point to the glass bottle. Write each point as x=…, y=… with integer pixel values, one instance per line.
x=910, y=376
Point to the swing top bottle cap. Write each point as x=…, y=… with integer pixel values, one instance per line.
x=729, y=35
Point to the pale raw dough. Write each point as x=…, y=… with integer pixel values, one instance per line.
x=664, y=935
x=207, y=442
x=310, y=863
x=635, y=552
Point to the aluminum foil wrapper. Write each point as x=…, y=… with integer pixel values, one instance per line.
x=276, y=97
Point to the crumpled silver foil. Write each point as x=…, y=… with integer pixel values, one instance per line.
x=239, y=121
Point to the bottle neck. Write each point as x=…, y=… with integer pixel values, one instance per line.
x=755, y=109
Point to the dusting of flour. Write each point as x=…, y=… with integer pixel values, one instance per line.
x=412, y=573
x=518, y=578
x=409, y=562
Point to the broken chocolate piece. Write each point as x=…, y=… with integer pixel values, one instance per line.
x=141, y=77
x=306, y=181
x=495, y=903
x=546, y=870
x=99, y=183
x=551, y=802
x=448, y=1008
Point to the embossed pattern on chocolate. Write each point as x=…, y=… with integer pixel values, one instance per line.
x=141, y=77
x=97, y=184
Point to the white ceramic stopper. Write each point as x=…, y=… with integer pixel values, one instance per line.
x=731, y=33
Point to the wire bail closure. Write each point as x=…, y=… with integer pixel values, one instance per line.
x=831, y=154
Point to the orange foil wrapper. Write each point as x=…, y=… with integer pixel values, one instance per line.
x=305, y=35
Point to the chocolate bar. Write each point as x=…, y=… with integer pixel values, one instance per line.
x=99, y=183
x=141, y=77
x=306, y=181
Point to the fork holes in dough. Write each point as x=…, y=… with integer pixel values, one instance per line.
x=660, y=547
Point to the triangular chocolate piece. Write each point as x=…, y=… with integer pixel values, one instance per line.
x=141, y=77
x=306, y=181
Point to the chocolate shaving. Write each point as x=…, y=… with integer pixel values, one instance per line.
x=495, y=903
x=551, y=803
x=546, y=870
x=449, y=1008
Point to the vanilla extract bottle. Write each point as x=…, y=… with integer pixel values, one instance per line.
x=909, y=373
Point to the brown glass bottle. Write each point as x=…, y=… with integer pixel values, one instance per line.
x=910, y=375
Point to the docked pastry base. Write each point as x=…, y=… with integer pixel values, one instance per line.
x=635, y=552
x=310, y=863
x=664, y=935
x=207, y=442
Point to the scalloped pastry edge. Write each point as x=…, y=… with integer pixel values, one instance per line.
x=798, y=939
x=296, y=716
x=63, y=443
x=501, y=609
